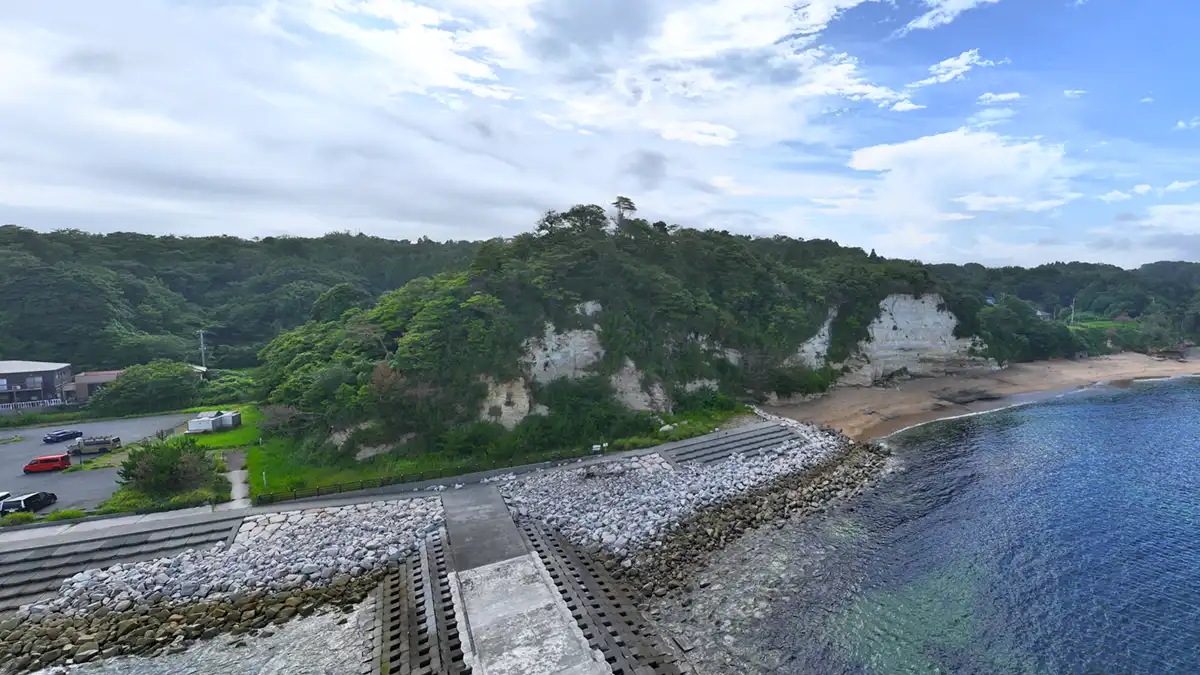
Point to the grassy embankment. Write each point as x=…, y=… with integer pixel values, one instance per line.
x=128, y=499
x=62, y=418
x=285, y=468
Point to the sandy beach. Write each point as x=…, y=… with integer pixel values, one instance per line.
x=865, y=413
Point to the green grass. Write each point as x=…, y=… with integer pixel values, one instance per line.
x=33, y=420
x=66, y=514
x=18, y=518
x=247, y=434
x=11, y=439
x=128, y=500
x=1105, y=324
x=286, y=470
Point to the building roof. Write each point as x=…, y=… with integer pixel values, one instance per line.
x=100, y=372
x=7, y=367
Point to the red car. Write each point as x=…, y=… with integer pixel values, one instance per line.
x=48, y=463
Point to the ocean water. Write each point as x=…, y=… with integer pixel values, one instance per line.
x=1058, y=537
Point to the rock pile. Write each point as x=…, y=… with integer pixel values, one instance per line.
x=630, y=504
x=279, y=566
x=671, y=566
x=283, y=551
x=39, y=639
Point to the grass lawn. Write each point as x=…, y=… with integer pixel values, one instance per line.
x=244, y=435
x=54, y=419
x=284, y=470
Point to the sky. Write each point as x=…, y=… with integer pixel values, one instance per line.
x=995, y=131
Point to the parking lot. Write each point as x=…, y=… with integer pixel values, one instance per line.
x=77, y=489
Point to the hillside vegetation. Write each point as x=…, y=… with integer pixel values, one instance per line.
x=416, y=364
x=400, y=341
x=109, y=301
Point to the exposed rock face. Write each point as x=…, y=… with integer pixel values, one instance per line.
x=513, y=401
x=629, y=390
x=814, y=350
x=589, y=308
x=913, y=335
x=567, y=354
x=698, y=385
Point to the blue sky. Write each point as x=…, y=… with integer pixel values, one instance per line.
x=998, y=131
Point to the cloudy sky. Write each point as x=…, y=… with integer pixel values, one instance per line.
x=1001, y=131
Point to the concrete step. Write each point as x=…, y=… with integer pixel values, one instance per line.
x=715, y=447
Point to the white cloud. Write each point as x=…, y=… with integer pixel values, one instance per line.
x=954, y=68
x=1074, y=93
x=942, y=12
x=991, y=117
x=1180, y=186
x=1148, y=99
x=1187, y=124
x=1176, y=218
x=1114, y=196
x=980, y=202
x=1142, y=189
x=926, y=175
x=469, y=118
x=700, y=133
x=992, y=99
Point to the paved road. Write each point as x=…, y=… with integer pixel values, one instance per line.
x=78, y=489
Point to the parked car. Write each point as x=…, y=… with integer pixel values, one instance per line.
x=62, y=435
x=5, y=495
x=95, y=445
x=48, y=463
x=30, y=502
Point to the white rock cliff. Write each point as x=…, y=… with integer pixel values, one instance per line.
x=912, y=334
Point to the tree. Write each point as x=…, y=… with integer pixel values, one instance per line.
x=154, y=387
x=624, y=207
x=330, y=305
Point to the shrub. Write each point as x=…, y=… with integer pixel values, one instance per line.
x=18, y=518
x=162, y=468
x=125, y=500
x=193, y=498
x=66, y=514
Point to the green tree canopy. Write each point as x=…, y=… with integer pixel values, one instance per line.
x=154, y=387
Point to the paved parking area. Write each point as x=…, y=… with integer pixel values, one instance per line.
x=78, y=489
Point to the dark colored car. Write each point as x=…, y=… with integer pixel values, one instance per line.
x=62, y=435
x=30, y=502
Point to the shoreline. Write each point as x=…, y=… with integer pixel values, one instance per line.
x=874, y=413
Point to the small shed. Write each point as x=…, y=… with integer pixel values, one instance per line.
x=216, y=420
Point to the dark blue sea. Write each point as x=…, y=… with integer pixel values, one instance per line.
x=1057, y=537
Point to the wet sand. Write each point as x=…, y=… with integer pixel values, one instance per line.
x=865, y=413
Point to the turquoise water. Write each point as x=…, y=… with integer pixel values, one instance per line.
x=1058, y=537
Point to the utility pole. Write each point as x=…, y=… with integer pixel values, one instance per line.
x=203, y=351
x=1072, y=311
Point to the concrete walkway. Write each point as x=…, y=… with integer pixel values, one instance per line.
x=516, y=620
x=240, y=495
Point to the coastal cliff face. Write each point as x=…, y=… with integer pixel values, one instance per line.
x=913, y=335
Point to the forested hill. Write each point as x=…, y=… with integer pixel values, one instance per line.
x=109, y=301
x=674, y=303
